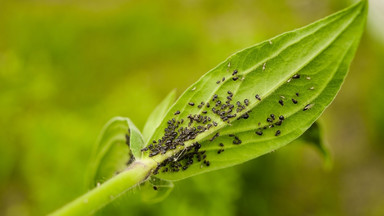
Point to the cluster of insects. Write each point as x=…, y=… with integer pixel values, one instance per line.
x=179, y=131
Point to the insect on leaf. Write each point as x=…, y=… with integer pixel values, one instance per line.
x=158, y=114
x=258, y=100
x=118, y=146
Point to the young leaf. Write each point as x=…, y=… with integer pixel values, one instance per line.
x=157, y=115
x=118, y=146
x=314, y=136
x=257, y=100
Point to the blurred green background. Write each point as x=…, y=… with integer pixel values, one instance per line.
x=67, y=67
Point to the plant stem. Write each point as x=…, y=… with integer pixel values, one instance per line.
x=108, y=191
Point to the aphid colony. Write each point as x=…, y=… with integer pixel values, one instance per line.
x=180, y=131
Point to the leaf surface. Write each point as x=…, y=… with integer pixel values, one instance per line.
x=155, y=190
x=295, y=75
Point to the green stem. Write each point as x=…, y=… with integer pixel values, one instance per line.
x=110, y=190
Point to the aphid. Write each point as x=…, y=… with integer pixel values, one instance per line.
x=214, y=97
x=208, y=105
x=236, y=141
x=234, y=72
x=155, y=187
x=282, y=96
x=269, y=120
x=264, y=65
x=297, y=94
x=258, y=97
x=296, y=76
x=221, y=144
x=216, y=135
x=235, y=78
x=279, y=123
x=229, y=92
x=272, y=116
x=127, y=139
x=204, y=112
x=218, y=82
x=259, y=133
x=308, y=78
x=177, y=112
x=214, y=123
x=223, y=79
x=312, y=88
x=220, y=150
x=281, y=117
x=191, y=103
x=246, y=102
x=278, y=132
x=308, y=106
x=294, y=101
x=289, y=80
x=281, y=102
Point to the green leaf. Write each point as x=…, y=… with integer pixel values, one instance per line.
x=119, y=144
x=155, y=190
x=314, y=137
x=157, y=115
x=312, y=61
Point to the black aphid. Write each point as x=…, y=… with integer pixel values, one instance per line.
x=204, y=112
x=294, y=101
x=223, y=79
x=269, y=120
x=127, y=140
x=214, y=97
x=221, y=144
x=281, y=102
x=272, y=116
x=229, y=92
x=297, y=94
x=220, y=150
x=214, y=137
x=191, y=103
x=259, y=133
x=296, y=76
x=234, y=72
x=214, y=123
x=155, y=187
x=236, y=141
x=246, y=102
x=218, y=82
x=235, y=78
x=278, y=132
x=281, y=117
x=258, y=97
x=177, y=112
x=208, y=105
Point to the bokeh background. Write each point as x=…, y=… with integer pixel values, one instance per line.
x=67, y=67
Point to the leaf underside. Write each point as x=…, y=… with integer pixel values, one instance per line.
x=277, y=88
